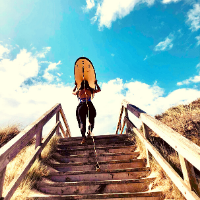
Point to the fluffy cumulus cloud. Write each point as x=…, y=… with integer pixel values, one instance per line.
x=165, y=45
x=52, y=67
x=194, y=17
x=14, y=72
x=198, y=40
x=43, y=53
x=108, y=11
x=89, y=5
x=195, y=79
x=21, y=103
x=170, y=1
x=3, y=51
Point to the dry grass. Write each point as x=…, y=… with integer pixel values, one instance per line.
x=7, y=133
x=185, y=119
x=37, y=170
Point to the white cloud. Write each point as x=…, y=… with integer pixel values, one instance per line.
x=90, y=4
x=170, y=1
x=15, y=72
x=165, y=45
x=198, y=40
x=3, y=51
x=43, y=53
x=50, y=77
x=112, y=54
x=23, y=104
x=146, y=57
x=195, y=79
x=194, y=17
x=108, y=11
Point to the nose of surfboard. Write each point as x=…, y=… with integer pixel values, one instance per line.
x=84, y=70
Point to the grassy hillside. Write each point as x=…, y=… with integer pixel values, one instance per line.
x=184, y=119
x=37, y=170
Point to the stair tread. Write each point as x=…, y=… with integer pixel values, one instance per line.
x=91, y=147
x=95, y=137
x=99, y=196
x=47, y=182
x=102, y=171
x=94, y=163
x=101, y=154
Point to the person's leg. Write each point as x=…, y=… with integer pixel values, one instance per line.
x=82, y=119
x=92, y=115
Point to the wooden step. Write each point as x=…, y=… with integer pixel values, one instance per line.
x=90, y=150
x=92, y=158
x=97, y=140
x=156, y=195
x=104, y=165
x=129, y=173
x=89, y=142
x=94, y=187
x=99, y=137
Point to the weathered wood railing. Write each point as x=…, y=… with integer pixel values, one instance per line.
x=14, y=146
x=189, y=153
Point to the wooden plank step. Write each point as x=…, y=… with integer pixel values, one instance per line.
x=99, y=137
x=92, y=158
x=94, y=187
x=128, y=173
x=156, y=195
x=104, y=165
x=90, y=150
x=97, y=143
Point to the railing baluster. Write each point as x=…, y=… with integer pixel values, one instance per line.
x=2, y=177
x=189, y=174
x=120, y=117
x=127, y=125
x=146, y=135
x=57, y=119
x=38, y=140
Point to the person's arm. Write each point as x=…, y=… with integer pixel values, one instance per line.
x=98, y=88
x=75, y=93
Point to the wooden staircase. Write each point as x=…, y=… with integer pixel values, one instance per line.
x=73, y=172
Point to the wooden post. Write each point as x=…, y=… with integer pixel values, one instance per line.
x=57, y=119
x=146, y=135
x=122, y=127
x=189, y=175
x=119, y=123
x=2, y=177
x=39, y=140
x=127, y=125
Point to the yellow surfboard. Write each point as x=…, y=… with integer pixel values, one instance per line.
x=84, y=70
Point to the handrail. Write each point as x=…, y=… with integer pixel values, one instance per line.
x=188, y=151
x=15, y=145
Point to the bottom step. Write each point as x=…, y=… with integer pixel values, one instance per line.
x=109, y=196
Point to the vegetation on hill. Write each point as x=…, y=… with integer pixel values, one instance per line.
x=184, y=119
x=37, y=170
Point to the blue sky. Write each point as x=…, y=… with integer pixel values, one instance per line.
x=147, y=52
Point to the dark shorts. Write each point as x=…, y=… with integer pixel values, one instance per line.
x=82, y=113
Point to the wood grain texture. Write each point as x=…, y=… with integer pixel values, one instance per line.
x=65, y=122
x=119, y=122
x=62, y=129
x=14, y=146
x=2, y=177
x=17, y=180
x=189, y=175
x=182, y=186
x=182, y=145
